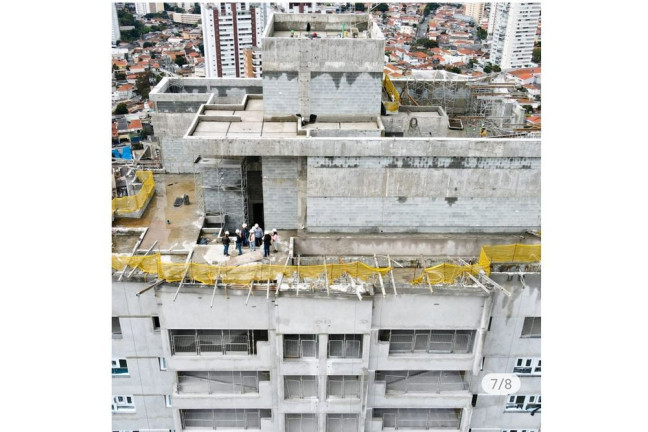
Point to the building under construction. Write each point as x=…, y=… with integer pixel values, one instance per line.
x=408, y=265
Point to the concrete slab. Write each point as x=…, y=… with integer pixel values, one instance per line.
x=243, y=135
x=278, y=134
x=254, y=105
x=183, y=229
x=250, y=116
x=218, y=112
x=322, y=126
x=237, y=127
x=273, y=127
x=359, y=126
x=212, y=126
x=209, y=134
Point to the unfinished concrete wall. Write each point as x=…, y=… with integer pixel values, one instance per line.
x=352, y=93
x=221, y=193
x=285, y=87
x=280, y=192
x=423, y=194
x=502, y=346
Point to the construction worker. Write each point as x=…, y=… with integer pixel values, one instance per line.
x=275, y=240
x=226, y=243
x=245, y=232
x=258, y=235
x=239, y=242
x=252, y=241
x=267, y=238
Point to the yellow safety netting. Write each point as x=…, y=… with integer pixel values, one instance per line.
x=208, y=274
x=447, y=273
x=135, y=202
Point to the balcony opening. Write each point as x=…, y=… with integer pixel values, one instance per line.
x=221, y=382
x=300, y=387
x=341, y=422
x=223, y=418
x=345, y=346
x=300, y=346
x=216, y=342
x=116, y=328
x=156, y=323
x=429, y=341
x=413, y=418
x=343, y=386
x=119, y=366
x=531, y=328
x=418, y=381
x=301, y=423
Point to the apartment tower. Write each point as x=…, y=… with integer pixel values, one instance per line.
x=514, y=31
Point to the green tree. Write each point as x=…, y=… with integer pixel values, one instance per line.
x=360, y=7
x=528, y=109
x=535, y=57
x=431, y=8
x=382, y=7
x=196, y=8
x=120, y=76
x=488, y=69
x=456, y=70
x=180, y=60
x=148, y=44
x=497, y=69
x=121, y=108
x=201, y=47
x=427, y=43
x=125, y=18
x=481, y=33
x=143, y=84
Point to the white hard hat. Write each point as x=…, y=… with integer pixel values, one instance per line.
x=244, y=225
x=267, y=232
x=274, y=229
x=238, y=231
x=256, y=225
x=227, y=232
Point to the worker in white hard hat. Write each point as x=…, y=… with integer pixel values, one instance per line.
x=239, y=241
x=245, y=232
x=258, y=235
x=275, y=240
x=267, y=239
x=226, y=243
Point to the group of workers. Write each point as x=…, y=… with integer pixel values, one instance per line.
x=252, y=238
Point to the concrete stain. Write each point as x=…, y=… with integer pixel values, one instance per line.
x=451, y=200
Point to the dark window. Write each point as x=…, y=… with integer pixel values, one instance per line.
x=116, y=328
x=156, y=323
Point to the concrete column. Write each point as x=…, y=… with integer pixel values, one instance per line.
x=465, y=419
x=302, y=191
x=480, y=334
x=304, y=79
x=321, y=382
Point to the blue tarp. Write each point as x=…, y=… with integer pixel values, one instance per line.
x=126, y=153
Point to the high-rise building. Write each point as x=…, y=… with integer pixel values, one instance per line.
x=384, y=306
x=252, y=67
x=475, y=11
x=116, y=35
x=147, y=8
x=299, y=7
x=492, y=12
x=228, y=28
x=514, y=31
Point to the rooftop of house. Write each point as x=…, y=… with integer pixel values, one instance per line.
x=324, y=25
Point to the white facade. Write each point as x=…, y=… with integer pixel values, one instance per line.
x=299, y=7
x=514, y=31
x=226, y=33
x=491, y=18
x=475, y=11
x=185, y=18
x=147, y=8
x=116, y=35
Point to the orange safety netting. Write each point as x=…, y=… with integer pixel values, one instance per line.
x=135, y=202
x=447, y=273
x=208, y=274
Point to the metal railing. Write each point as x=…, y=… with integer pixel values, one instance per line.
x=403, y=382
x=300, y=386
x=410, y=418
x=343, y=386
x=300, y=346
x=341, y=422
x=225, y=382
x=431, y=341
x=345, y=346
x=223, y=418
x=199, y=342
x=301, y=423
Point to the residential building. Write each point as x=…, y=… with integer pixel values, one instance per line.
x=252, y=67
x=513, y=34
x=185, y=18
x=299, y=7
x=147, y=8
x=475, y=11
x=115, y=35
x=228, y=28
x=341, y=329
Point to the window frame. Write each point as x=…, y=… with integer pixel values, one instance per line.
x=527, y=401
x=116, y=364
x=530, y=334
x=534, y=364
x=123, y=405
